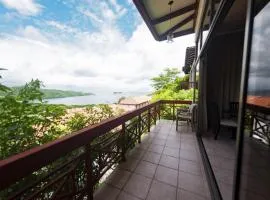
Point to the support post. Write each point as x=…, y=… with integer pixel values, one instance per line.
x=159, y=110
x=155, y=114
x=251, y=124
x=123, y=142
x=173, y=111
x=149, y=120
x=139, y=127
x=89, y=172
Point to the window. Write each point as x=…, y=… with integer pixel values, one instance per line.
x=255, y=179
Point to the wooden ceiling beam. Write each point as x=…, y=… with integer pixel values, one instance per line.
x=178, y=25
x=174, y=14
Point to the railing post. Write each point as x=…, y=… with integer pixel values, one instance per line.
x=173, y=111
x=159, y=110
x=89, y=172
x=123, y=142
x=252, y=119
x=139, y=127
x=155, y=114
x=149, y=120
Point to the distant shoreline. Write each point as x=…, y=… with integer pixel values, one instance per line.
x=60, y=97
x=54, y=93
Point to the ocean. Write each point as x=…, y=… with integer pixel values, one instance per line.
x=109, y=98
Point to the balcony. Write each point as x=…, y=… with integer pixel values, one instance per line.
x=135, y=156
x=166, y=165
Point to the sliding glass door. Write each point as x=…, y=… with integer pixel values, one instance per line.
x=255, y=153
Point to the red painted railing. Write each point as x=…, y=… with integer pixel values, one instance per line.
x=70, y=167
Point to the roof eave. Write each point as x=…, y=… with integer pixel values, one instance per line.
x=141, y=8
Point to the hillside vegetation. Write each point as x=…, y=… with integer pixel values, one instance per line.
x=52, y=93
x=27, y=121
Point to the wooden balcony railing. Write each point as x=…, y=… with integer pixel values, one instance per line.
x=71, y=167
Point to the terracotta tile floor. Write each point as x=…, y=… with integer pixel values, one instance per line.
x=165, y=166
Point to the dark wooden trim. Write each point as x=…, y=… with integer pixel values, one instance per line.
x=203, y=17
x=174, y=102
x=218, y=18
x=141, y=8
x=178, y=25
x=211, y=180
x=174, y=14
x=259, y=5
x=212, y=9
x=195, y=15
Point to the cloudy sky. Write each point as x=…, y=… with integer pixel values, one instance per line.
x=260, y=60
x=87, y=45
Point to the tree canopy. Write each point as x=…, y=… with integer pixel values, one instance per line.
x=168, y=86
x=164, y=79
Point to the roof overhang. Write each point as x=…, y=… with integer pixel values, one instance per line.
x=157, y=16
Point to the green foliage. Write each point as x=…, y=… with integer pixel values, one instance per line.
x=165, y=79
x=77, y=122
x=169, y=94
x=25, y=121
x=50, y=93
x=168, y=87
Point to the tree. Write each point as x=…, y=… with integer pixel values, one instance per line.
x=168, y=86
x=164, y=79
x=26, y=121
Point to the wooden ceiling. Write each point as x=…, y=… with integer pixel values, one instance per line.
x=156, y=14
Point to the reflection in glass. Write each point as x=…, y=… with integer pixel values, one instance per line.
x=222, y=97
x=255, y=176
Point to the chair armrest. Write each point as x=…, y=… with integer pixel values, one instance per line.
x=182, y=110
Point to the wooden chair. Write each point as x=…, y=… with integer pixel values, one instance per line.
x=216, y=122
x=233, y=110
x=188, y=115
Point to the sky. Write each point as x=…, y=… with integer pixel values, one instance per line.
x=260, y=60
x=85, y=45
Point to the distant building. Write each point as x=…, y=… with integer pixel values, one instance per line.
x=135, y=102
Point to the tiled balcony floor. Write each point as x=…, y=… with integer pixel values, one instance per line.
x=255, y=167
x=165, y=166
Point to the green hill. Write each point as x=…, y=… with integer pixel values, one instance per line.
x=53, y=93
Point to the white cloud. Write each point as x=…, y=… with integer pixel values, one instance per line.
x=111, y=63
x=116, y=6
x=24, y=7
x=91, y=15
x=61, y=26
x=101, y=60
x=31, y=33
x=102, y=13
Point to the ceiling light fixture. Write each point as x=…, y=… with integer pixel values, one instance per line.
x=170, y=34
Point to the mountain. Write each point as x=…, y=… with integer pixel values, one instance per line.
x=53, y=93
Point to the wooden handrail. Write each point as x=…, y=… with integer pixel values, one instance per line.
x=18, y=166
x=175, y=102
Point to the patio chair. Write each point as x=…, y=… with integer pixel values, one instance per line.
x=216, y=122
x=187, y=114
x=233, y=110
